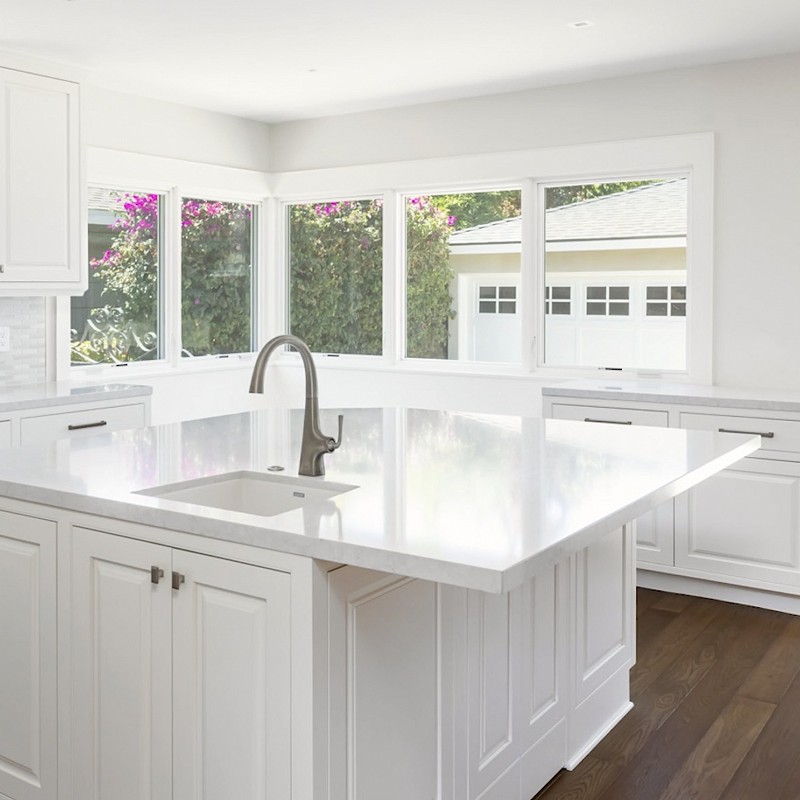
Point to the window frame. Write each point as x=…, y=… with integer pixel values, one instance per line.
x=699, y=267
x=691, y=155
x=191, y=180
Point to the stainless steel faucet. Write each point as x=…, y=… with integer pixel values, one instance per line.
x=315, y=443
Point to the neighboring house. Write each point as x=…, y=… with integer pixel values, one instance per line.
x=615, y=283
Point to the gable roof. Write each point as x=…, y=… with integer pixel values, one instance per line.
x=657, y=210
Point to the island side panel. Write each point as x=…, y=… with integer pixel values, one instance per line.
x=465, y=695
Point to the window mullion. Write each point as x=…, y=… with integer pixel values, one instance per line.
x=393, y=279
x=171, y=271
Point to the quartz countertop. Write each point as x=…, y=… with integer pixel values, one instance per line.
x=478, y=501
x=690, y=394
x=52, y=393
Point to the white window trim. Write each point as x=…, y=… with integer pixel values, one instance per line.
x=175, y=180
x=690, y=154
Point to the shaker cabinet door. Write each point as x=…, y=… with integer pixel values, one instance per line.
x=232, y=680
x=40, y=180
x=28, y=714
x=121, y=668
x=743, y=523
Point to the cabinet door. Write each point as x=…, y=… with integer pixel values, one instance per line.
x=40, y=229
x=5, y=433
x=232, y=681
x=122, y=669
x=27, y=657
x=743, y=522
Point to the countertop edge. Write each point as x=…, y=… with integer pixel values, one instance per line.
x=85, y=394
x=463, y=575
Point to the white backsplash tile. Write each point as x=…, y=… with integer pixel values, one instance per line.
x=25, y=362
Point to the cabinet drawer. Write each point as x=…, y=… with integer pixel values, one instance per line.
x=85, y=422
x=611, y=414
x=5, y=433
x=776, y=434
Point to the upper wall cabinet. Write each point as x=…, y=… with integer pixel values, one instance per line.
x=40, y=186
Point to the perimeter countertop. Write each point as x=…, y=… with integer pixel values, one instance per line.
x=478, y=501
x=649, y=391
x=52, y=393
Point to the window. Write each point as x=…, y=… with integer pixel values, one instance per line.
x=124, y=315
x=666, y=301
x=217, y=277
x=611, y=301
x=497, y=300
x=462, y=269
x=623, y=246
x=558, y=300
x=118, y=319
x=336, y=275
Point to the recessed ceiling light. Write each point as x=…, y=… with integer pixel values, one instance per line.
x=583, y=23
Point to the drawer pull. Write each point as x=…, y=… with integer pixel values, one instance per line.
x=99, y=424
x=177, y=580
x=764, y=434
x=156, y=574
x=609, y=421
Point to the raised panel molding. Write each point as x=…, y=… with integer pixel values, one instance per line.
x=384, y=684
x=232, y=681
x=28, y=658
x=603, y=624
x=122, y=631
x=493, y=672
x=744, y=524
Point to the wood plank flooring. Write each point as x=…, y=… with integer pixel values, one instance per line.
x=716, y=693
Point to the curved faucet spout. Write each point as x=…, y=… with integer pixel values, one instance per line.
x=315, y=443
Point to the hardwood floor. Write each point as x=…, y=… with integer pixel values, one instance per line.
x=716, y=692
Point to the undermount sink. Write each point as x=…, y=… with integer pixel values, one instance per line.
x=250, y=492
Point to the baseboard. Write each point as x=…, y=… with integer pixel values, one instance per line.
x=697, y=587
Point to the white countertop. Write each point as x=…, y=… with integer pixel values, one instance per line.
x=51, y=393
x=482, y=502
x=649, y=391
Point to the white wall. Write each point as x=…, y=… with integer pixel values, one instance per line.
x=119, y=121
x=752, y=108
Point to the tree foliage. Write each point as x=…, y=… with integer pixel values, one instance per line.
x=336, y=276
x=336, y=265
x=216, y=277
x=336, y=268
x=215, y=273
x=566, y=195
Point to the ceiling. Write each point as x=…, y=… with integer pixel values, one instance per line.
x=276, y=60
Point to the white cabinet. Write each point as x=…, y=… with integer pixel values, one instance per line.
x=653, y=530
x=28, y=713
x=40, y=428
x=181, y=680
x=438, y=692
x=40, y=186
x=744, y=523
x=5, y=433
x=40, y=425
x=741, y=526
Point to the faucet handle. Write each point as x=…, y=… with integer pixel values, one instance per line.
x=333, y=444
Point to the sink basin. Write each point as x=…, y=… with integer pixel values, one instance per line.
x=250, y=492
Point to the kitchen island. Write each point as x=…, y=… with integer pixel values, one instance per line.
x=458, y=625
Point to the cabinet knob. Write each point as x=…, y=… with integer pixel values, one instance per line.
x=177, y=580
x=156, y=574
x=2, y=268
